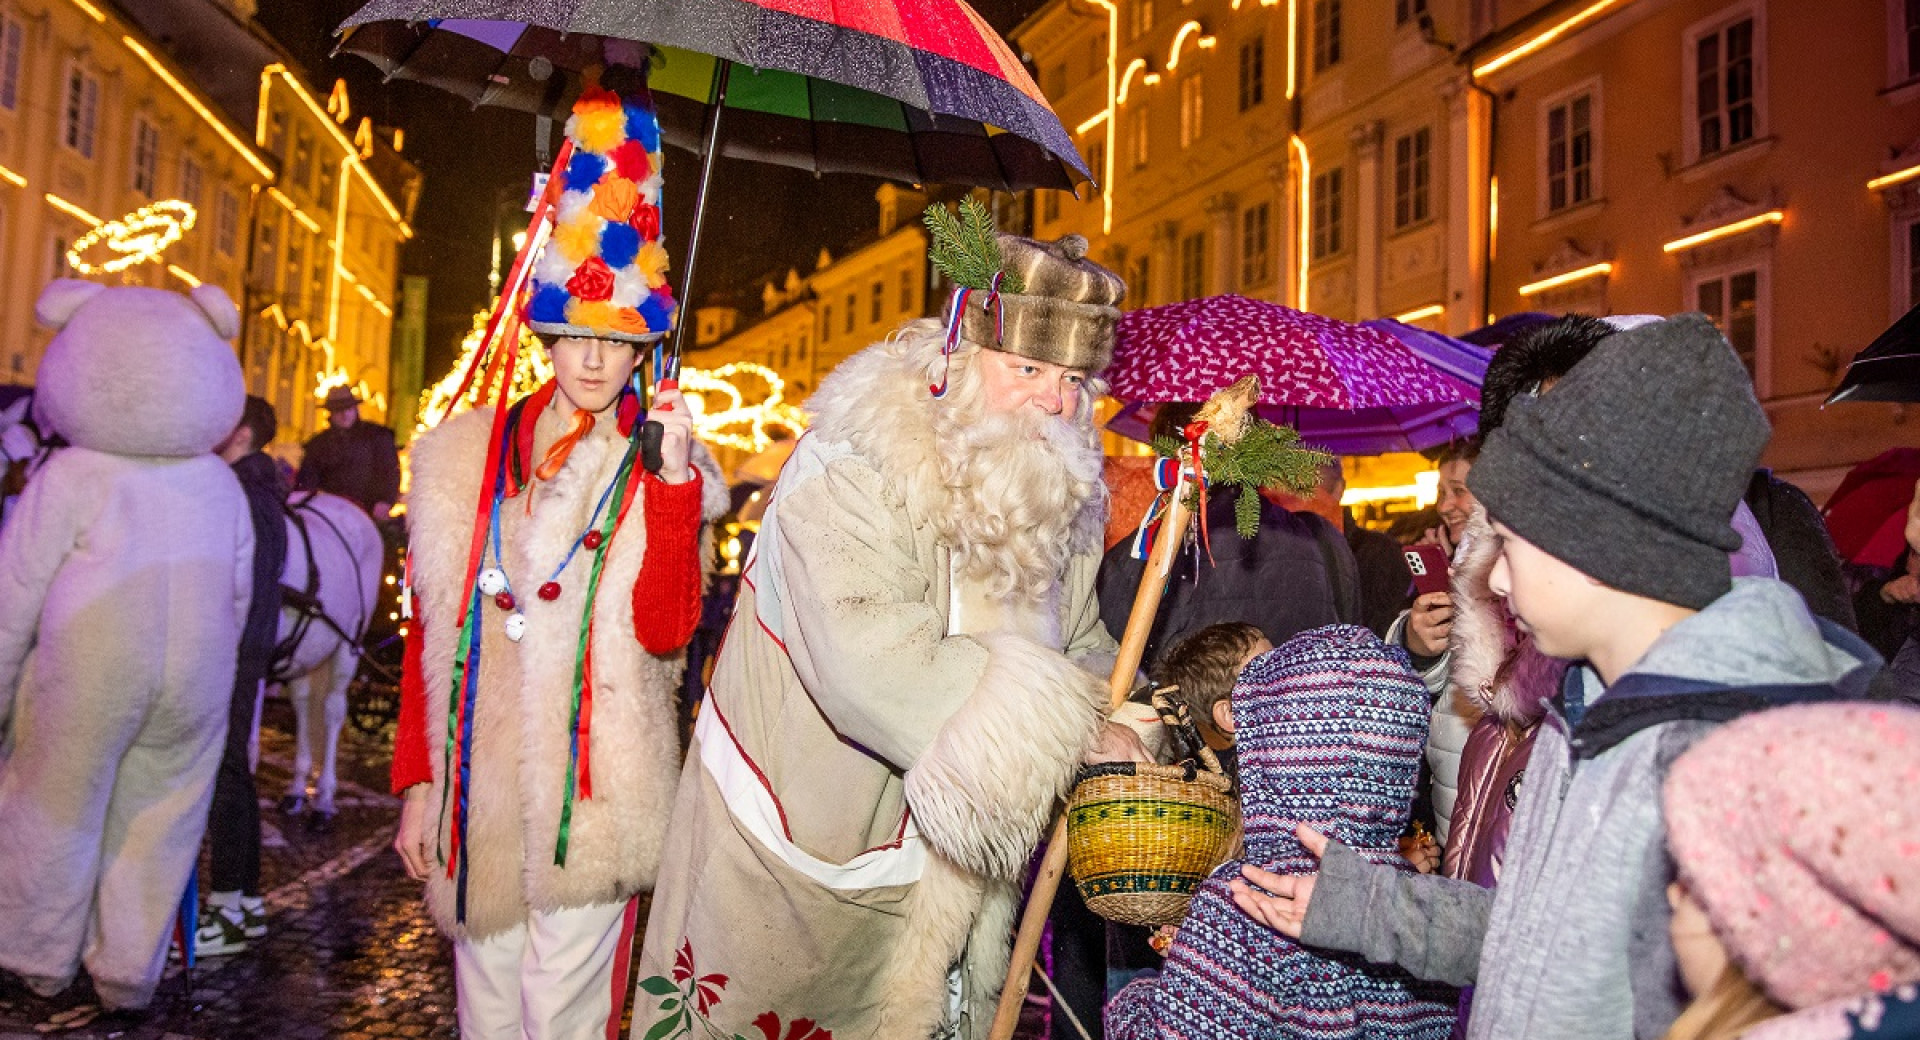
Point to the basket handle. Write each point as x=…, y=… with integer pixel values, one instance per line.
x=1174, y=715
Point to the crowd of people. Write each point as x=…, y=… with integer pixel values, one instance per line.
x=1626, y=772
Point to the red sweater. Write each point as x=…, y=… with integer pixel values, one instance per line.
x=672, y=610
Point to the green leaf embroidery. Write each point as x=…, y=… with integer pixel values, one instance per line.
x=659, y=986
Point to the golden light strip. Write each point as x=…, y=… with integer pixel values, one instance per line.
x=339, y=247
x=1293, y=48
x=92, y=11
x=206, y=114
x=339, y=136
x=72, y=210
x=1113, y=134
x=1772, y=216
x=1493, y=218
x=181, y=273
x=1306, y=220
x=1126, y=79
x=305, y=221
x=1431, y=310
x=1173, y=56
x=1896, y=177
x=1552, y=33
x=1558, y=280
x=12, y=178
x=1092, y=121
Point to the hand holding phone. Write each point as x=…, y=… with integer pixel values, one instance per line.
x=1431, y=570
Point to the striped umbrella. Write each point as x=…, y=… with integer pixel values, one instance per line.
x=922, y=91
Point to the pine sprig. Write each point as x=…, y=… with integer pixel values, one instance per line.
x=1263, y=457
x=966, y=248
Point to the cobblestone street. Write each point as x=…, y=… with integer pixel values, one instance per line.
x=350, y=952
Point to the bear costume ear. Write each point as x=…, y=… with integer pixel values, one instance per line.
x=219, y=309
x=62, y=298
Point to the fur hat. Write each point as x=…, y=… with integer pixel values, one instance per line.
x=1067, y=312
x=1795, y=830
x=603, y=273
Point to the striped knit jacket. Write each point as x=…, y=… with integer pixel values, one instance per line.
x=1329, y=729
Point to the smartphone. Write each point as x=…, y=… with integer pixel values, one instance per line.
x=1430, y=569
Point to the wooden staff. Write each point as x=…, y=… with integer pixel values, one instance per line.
x=1133, y=644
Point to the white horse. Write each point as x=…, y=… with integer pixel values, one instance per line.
x=333, y=564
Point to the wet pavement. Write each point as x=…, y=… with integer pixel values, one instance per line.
x=350, y=951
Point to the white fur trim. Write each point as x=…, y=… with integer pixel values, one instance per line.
x=982, y=798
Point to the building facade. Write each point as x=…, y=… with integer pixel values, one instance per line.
x=153, y=112
x=1449, y=161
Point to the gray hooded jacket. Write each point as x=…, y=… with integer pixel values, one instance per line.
x=1573, y=943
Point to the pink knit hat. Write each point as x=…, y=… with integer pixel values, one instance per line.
x=1798, y=831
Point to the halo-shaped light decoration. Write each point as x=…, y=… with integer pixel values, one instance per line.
x=726, y=419
x=136, y=238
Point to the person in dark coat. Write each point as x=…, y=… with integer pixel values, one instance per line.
x=234, y=912
x=1386, y=585
x=353, y=458
x=1802, y=548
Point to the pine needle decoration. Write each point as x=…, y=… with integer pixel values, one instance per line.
x=1264, y=456
x=966, y=248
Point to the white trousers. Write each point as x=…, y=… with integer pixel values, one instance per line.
x=555, y=977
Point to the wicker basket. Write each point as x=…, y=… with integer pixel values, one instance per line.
x=1141, y=837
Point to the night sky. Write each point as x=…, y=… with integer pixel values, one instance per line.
x=761, y=219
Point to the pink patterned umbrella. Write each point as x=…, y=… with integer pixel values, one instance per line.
x=1352, y=389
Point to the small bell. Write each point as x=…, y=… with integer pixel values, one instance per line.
x=493, y=581
x=550, y=591
x=593, y=540
x=504, y=600
x=516, y=626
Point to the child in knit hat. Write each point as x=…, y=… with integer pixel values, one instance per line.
x=1794, y=835
x=1330, y=729
x=1611, y=495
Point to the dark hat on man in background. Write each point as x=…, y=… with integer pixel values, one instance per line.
x=342, y=398
x=1630, y=468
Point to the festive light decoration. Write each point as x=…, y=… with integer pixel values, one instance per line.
x=529, y=372
x=1772, y=216
x=1431, y=310
x=1558, y=280
x=138, y=237
x=738, y=424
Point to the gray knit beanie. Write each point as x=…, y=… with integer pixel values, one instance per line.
x=1630, y=467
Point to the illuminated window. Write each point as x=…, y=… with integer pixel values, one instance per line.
x=192, y=180
x=1256, y=256
x=13, y=38
x=1193, y=94
x=1142, y=18
x=1193, y=266
x=906, y=292
x=293, y=275
x=277, y=133
x=877, y=302
x=82, y=111
x=267, y=247
x=1137, y=134
x=1412, y=178
x=301, y=169
x=1736, y=302
x=1326, y=34
x=1569, y=152
x=1253, y=72
x=826, y=322
x=1328, y=209
x=1724, y=75
x=852, y=302
x=146, y=156
x=324, y=194
x=226, y=225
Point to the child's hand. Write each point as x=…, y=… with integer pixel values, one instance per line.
x=1117, y=743
x=1422, y=851
x=1282, y=906
x=1162, y=938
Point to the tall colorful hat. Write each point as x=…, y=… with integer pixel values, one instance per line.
x=603, y=273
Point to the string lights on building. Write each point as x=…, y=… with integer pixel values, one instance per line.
x=137, y=238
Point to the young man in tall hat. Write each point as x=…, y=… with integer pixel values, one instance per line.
x=538, y=739
x=914, y=672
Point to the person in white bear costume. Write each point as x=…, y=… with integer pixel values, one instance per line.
x=125, y=573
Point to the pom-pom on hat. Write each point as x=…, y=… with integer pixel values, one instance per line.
x=603, y=273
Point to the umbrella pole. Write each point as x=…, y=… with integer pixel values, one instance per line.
x=652, y=432
x=1133, y=645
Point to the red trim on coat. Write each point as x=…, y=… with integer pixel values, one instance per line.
x=412, y=762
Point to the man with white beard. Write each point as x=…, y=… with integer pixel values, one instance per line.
x=914, y=672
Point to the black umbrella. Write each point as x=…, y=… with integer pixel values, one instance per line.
x=1889, y=369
